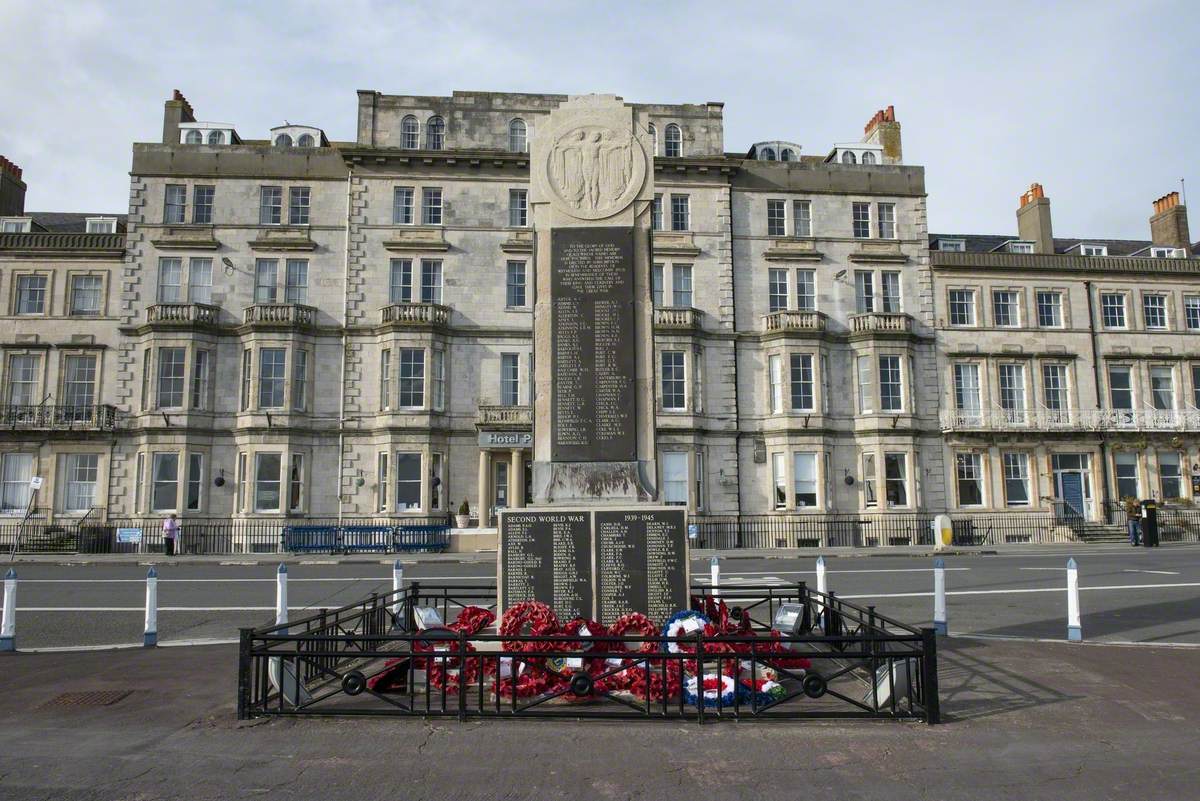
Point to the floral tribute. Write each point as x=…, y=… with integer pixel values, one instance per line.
x=559, y=661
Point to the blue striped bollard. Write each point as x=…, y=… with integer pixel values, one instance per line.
x=714, y=572
x=8, y=623
x=940, y=625
x=822, y=586
x=150, y=637
x=1074, y=630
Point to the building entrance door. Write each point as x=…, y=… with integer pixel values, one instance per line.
x=1073, y=486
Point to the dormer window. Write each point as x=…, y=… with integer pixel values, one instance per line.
x=848, y=157
x=283, y=140
x=768, y=154
x=101, y=225
x=787, y=154
x=306, y=140
x=868, y=157
x=194, y=137
x=15, y=225
x=1094, y=250
x=435, y=133
x=216, y=137
x=1168, y=253
x=952, y=245
x=1018, y=246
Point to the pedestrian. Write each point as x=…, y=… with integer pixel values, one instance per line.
x=1133, y=521
x=170, y=532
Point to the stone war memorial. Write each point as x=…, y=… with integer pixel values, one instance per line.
x=596, y=544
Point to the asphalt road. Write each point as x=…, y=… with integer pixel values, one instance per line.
x=1127, y=594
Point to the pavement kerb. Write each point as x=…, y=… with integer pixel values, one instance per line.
x=489, y=557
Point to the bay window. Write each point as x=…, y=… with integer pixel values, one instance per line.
x=802, y=382
x=408, y=481
x=164, y=482
x=267, y=467
x=673, y=381
x=412, y=378
x=804, y=479
x=896, y=479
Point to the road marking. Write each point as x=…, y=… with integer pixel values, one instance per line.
x=53, y=649
x=1041, y=568
x=1105, y=588
x=1120, y=643
x=835, y=572
x=1159, y=572
x=248, y=580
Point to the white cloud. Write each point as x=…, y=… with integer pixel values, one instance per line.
x=1096, y=102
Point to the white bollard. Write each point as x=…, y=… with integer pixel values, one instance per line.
x=822, y=586
x=397, y=585
x=714, y=569
x=150, y=637
x=1074, y=630
x=939, y=597
x=281, y=609
x=8, y=623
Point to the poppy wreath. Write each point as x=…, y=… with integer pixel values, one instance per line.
x=440, y=676
x=763, y=690
x=540, y=619
x=636, y=623
x=473, y=619
x=647, y=682
x=533, y=680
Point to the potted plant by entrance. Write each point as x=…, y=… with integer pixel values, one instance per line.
x=463, y=518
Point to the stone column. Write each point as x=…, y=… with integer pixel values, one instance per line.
x=516, y=480
x=485, y=475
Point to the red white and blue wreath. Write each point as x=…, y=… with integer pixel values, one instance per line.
x=683, y=624
x=715, y=687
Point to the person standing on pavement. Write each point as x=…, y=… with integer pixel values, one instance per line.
x=1133, y=521
x=170, y=532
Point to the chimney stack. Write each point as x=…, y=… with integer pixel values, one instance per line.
x=12, y=189
x=175, y=111
x=1169, y=225
x=883, y=130
x=1033, y=220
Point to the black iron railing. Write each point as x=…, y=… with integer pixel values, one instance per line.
x=860, y=664
x=812, y=530
x=58, y=418
x=196, y=535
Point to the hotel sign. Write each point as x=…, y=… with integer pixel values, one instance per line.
x=505, y=439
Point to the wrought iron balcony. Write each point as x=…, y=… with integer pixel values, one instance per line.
x=794, y=321
x=183, y=314
x=881, y=322
x=1071, y=420
x=281, y=314
x=415, y=314
x=58, y=418
x=505, y=416
x=681, y=318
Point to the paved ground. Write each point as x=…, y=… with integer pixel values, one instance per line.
x=1025, y=720
x=1127, y=594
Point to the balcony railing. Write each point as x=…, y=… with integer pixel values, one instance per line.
x=183, y=313
x=794, y=321
x=291, y=314
x=682, y=317
x=1071, y=419
x=888, y=322
x=415, y=314
x=58, y=418
x=505, y=416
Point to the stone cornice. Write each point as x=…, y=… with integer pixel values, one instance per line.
x=1036, y=262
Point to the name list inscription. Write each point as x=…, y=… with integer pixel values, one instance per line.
x=547, y=557
x=592, y=338
x=600, y=564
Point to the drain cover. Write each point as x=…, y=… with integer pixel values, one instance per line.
x=93, y=698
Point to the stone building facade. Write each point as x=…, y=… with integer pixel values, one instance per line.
x=294, y=327
x=1070, y=368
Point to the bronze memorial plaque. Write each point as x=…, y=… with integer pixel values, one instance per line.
x=593, y=338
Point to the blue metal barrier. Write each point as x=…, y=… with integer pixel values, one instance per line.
x=367, y=538
x=310, y=538
x=434, y=538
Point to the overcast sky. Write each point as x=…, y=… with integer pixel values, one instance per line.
x=1097, y=101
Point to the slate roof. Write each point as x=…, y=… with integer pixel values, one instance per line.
x=987, y=243
x=59, y=222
